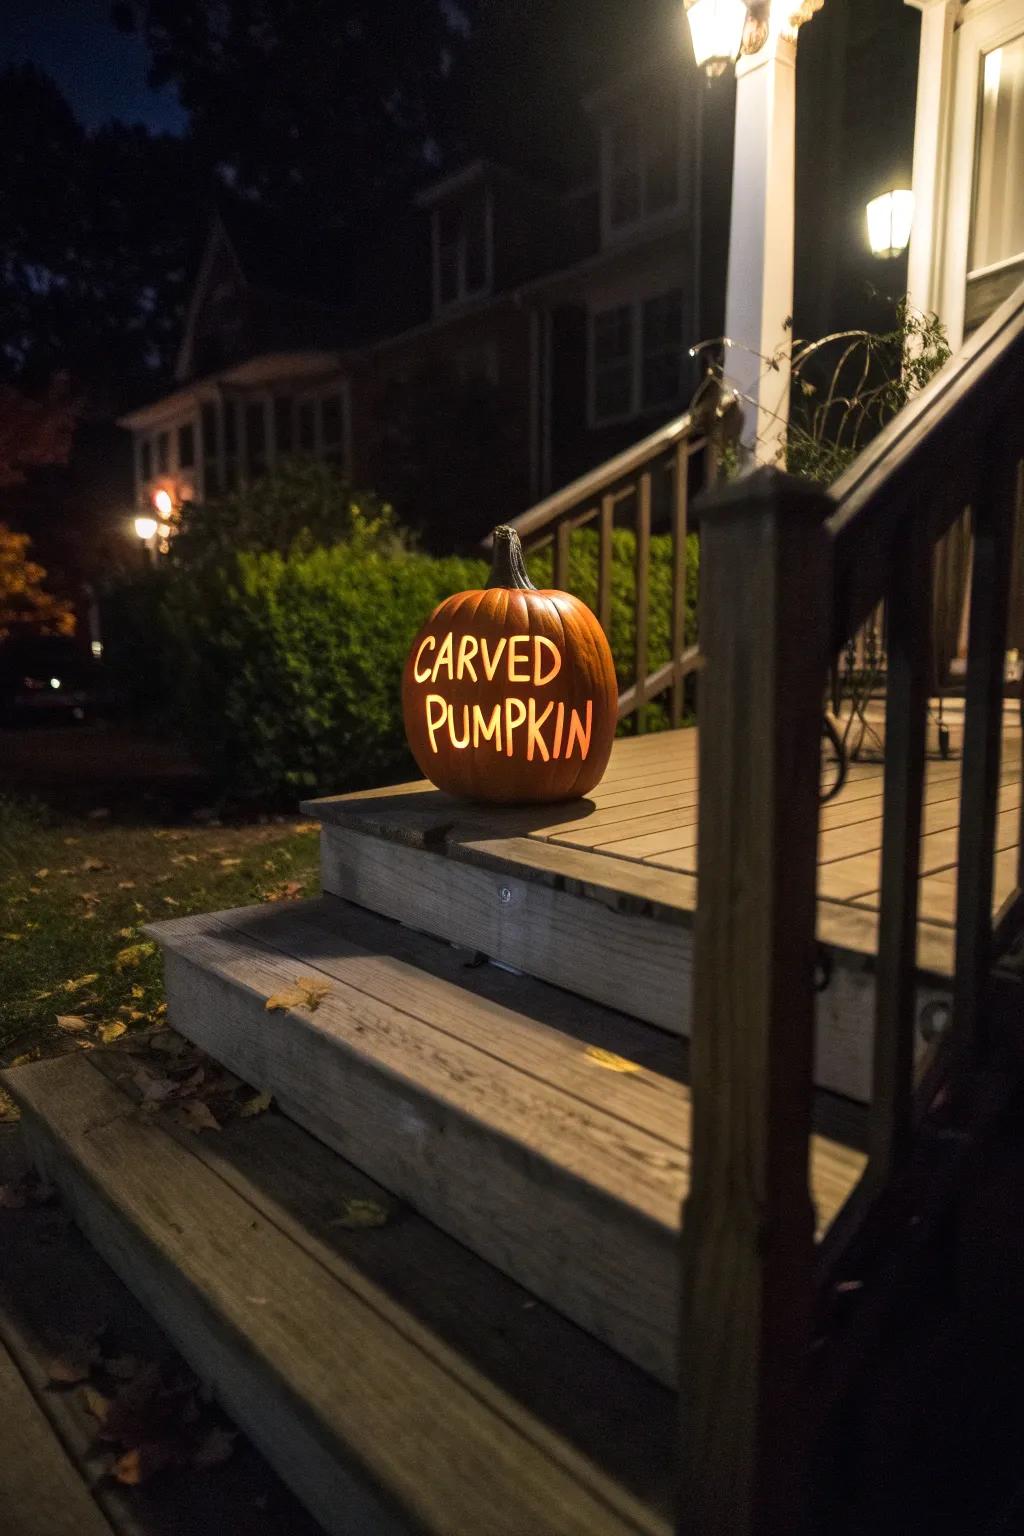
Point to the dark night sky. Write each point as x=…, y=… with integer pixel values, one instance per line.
x=101, y=72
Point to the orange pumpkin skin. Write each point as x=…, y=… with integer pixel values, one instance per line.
x=452, y=689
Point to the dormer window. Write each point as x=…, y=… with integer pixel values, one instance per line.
x=462, y=250
x=641, y=164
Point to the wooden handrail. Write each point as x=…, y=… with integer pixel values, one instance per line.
x=628, y=486
x=787, y=576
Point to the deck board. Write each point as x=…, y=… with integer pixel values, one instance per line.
x=645, y=812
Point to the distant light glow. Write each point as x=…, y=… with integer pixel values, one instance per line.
x=54, y=682
x=145, y=527
x=163, y=502
x=716, y=30
x=889, y=219
x=97, y=648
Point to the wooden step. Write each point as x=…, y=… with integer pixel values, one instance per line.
x=548, y=1134
x=396, y=1382
x=612, y=929
x=41, y=1493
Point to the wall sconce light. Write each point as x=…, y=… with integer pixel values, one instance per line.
x=716, y=31
x=889, y=220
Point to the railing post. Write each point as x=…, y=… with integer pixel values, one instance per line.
x=748, y=1233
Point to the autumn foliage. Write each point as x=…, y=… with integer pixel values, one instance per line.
x=23, y=598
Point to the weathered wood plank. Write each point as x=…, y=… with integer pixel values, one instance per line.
x=748, y=1229
x=41, y=1493
x=335, y=1381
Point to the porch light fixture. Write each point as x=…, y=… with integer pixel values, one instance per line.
x=163, y=502
x=889, y=220
x=145, y=527
x=716, y=31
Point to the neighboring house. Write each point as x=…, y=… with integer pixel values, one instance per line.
x=531, y=331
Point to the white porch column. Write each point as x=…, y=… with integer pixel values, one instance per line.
x=931, y=134
x=759, y=290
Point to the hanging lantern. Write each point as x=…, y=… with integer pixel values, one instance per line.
x=716, y=31
x=889, y=219
x=509, y=694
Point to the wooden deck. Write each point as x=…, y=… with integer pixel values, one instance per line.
x=645, y=812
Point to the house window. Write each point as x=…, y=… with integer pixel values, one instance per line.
x=642, y=163
x=256, y=436
x=462, y=256
x=186, y=446
x=211, y=462
x=662, y=363
x=284, y=433
x=637, y=357
x=307, y=425
x=997, y=231
x=163, y=452
x=145, y=460
x=332, y=426
x=613, y=363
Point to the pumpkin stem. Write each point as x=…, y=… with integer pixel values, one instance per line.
x=508, y=567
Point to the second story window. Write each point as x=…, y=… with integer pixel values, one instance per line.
x=641, y=164
x=461, y=254
x=637, y=358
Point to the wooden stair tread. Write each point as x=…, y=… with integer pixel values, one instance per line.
x=41, y=1493
x=367, y=1365
x=543, y=1131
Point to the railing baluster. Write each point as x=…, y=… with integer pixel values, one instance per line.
x=680, y=491
x=563, y=533
x=604, y=564
x=993, y=508
x=643, y=569
x=748, y=1230
x=909, y=646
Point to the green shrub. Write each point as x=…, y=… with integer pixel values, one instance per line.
x=290, y=665
x=136, y=647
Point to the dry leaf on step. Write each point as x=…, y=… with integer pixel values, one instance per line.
x=196, y=1116
x=358, y=1213
x=133, y=955
x=142, y=1462
x=111, y=1032
x=609, y=1060
x=81, y=981
x=71, y=1022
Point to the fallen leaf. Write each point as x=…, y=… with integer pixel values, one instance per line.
x=126, y=933
x=80, y=981
x=97, y=1403
x=279, y=1002
x=111, y=1032
x=214, y=1448
x=137, y=991
x=9, y=1111
x=358, y=1214
x=71, y=1022
x=137, y=1466
x=93, y=865
x=69, y=842
x=609, y=1060
x=313, y=992
x=162, y=879
x=74, y=1362
x=152, y=1087
x=171, y=901
x=14, y=938
x=133, y=955
x=126, y=885
x=255, y=1106
x=41, y=874
x=196, y=1116
x=229, y=863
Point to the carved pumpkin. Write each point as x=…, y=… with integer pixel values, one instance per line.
x=509, y=694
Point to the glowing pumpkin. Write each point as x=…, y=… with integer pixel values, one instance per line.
x=509, y=693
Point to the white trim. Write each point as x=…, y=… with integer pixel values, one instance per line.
x=931, y=140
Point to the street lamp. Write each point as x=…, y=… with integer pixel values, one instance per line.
x=716, y=31
x=889, y=220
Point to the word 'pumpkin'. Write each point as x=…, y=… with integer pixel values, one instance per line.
x=509, y=694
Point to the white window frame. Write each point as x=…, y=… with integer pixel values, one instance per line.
x=635, y=305
x=464, y=295
x=616, y=231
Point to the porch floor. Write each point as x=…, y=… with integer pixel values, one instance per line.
x=634, y=838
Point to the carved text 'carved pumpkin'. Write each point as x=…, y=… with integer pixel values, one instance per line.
x=509, y=694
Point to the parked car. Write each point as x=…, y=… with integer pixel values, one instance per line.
x=49, y=677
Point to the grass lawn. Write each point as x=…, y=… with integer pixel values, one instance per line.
x=75, y=891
